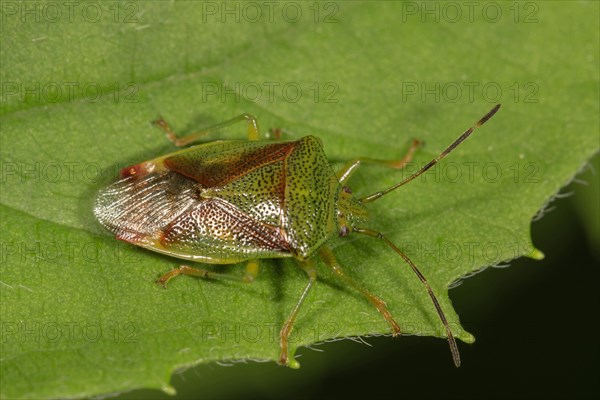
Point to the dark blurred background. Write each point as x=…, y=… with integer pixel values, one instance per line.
x=536, y=324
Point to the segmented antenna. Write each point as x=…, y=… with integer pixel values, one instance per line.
x=431, y=163
x=436, y=303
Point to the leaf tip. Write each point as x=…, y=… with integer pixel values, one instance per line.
x=168, y=389
x=536, y=254
x=293, y=364
x=467, y=338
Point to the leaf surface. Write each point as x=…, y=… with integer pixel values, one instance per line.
x=81, y=314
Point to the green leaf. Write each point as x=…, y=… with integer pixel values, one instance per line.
x=81, y=314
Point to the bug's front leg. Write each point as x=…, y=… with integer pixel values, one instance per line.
x=253, y=133
x=287, y=357
x=347, y=170
x=248, y=277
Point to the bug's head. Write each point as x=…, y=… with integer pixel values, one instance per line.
x=350, y=213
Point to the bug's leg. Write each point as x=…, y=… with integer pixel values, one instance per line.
x=286, y=357
x=276, y=133
x=253, y=133
x=249, y=276
x=279, y=133
x=329, y=259
x=347, y=170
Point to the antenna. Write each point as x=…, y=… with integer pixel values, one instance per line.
x=434, y=300
x=431, y=163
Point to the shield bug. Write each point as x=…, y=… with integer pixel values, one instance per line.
x=230, y=201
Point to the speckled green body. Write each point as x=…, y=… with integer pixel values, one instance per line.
x=227, y=201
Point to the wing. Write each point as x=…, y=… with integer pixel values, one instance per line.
x=137, y=209
x=218, y=163
x=250, y=175
x=218, y=230
x=216, y=203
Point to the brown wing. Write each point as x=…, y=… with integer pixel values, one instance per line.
x=219, y=163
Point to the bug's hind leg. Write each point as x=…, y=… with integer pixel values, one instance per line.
x=347, y=170
x=249, y=276
x=253, y=133
x=329, y=259
x=286, y=356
